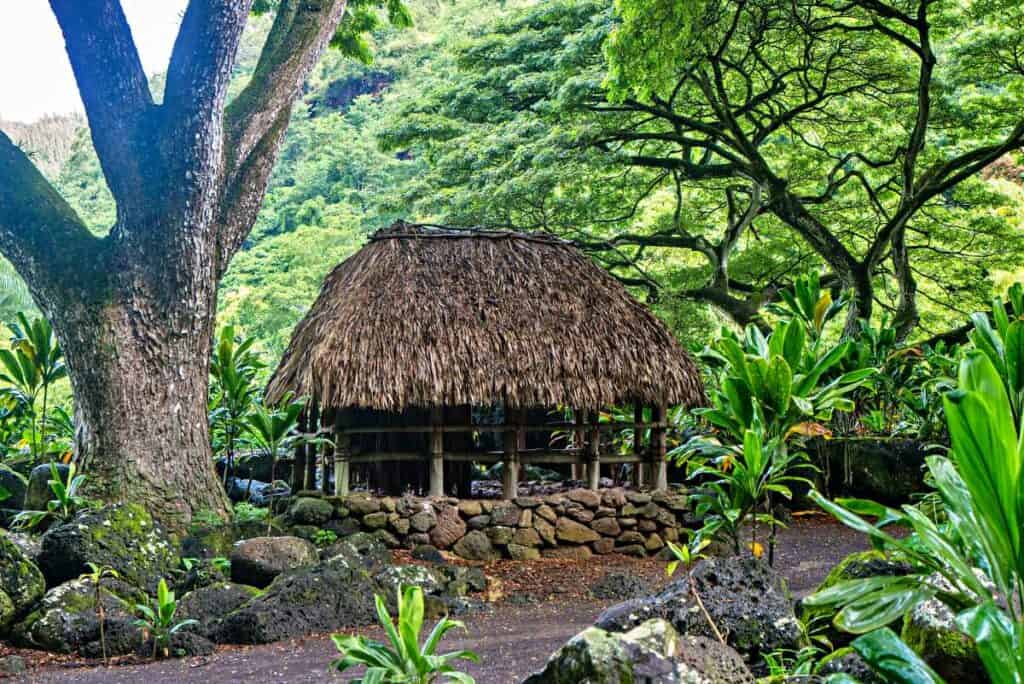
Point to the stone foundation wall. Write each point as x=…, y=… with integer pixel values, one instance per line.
x=576, y=524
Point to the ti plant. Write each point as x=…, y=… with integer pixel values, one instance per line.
x=233, y=392
x=1003, y=344
x=273, y=429
x=96, y=575
x=66, y=501
x=973, y=562
x=157, y=620
x=403, y=660
x=30, y=368
x=772, y=391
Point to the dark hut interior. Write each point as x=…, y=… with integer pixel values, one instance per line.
x=433, y=349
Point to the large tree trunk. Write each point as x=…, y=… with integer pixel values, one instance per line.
x=140, y=385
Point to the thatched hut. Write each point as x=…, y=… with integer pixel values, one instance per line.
x=425, y=323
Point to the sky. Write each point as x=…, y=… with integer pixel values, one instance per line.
x=35, y=76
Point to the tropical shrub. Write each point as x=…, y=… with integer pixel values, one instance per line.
x=30, y=368
x=66, y=501
x=977, y=551
x=771, y=392
x=233, y=392
x=403, y=659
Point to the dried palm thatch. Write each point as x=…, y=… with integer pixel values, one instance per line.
x=423, y=316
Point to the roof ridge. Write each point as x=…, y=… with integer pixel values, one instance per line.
x=401, y=229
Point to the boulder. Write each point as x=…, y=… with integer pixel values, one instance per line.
x=652, y=652
x=930, y=629
x=120, y=536
x=546, y=531
x=16, y=487
x=526, y=537
x=375, y=521
x=21, y=583
x=587, y=497
x=423, y=521
x=620, y=586
x=470, y=508
x=568, y=553
x=603, y=546
x=392, y=578
x=505, y=513
x=257, y=492
x=258, y=561
x=476, y=546
x=306, y=510
x=479, y=522
x=499, y=535
x=336, y=593
x=209, y=604
x=426, y=552
x=519, y=552
x=847, y=661
x=65, y=621
x=573, y=532
x=449, y=528
x=216, y=541
x=744, y=597
x=360, y=504
x=256, y=464
x=546, y=512
x=361, y=547
x=38, y=493
x=609, y=527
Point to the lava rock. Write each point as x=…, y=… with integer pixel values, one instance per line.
x=211, y=603
x=16, y=487
x=573, y=532
x=620, y=586
x=476, y=546
x=38, y=493
x=449, y=528
x=120, y=536
x=651, y=652
x=306, y=510
x=744, y=597
x=258, y=561
x=66, y=621
x=21, y=582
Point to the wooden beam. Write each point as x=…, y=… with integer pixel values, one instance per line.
x=529, y=427
x=437, y=452
x=578, y=438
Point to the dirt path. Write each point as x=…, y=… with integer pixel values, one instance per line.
x=512, y=641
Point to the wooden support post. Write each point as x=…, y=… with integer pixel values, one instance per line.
x=641, y=477
x=578, y=440
x=312, y=423
x=327, y=456
x=510, y=461
x=298, y=461
x=437, y=452
x=342, y=454
x=658, y=447
x=594, y=468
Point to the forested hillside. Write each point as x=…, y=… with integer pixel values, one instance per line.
x=508, y=114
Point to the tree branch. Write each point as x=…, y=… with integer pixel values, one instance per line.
x=41, y=235
x=113, y=87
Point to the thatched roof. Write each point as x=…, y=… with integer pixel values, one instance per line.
x=423, y=316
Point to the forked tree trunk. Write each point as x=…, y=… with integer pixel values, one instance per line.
x=134, y=310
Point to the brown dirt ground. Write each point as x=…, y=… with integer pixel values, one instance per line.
x=551, y=604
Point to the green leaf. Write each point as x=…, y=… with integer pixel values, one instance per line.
x=893, y=659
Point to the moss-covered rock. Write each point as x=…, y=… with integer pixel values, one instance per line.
x=21, y=583
x=211, y=603
x=334, y=594
x=258, y=561
x=121, y=536
x=650, y=652
x=847, y=661
x=306, y=510
x=930, y=629
x=66, y=619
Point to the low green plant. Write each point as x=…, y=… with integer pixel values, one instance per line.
x=157, y=620
x=978, y=551
x=96, y=575
x=66, y=501
x=403, y=659
x=245, y=512
x=324, y=538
